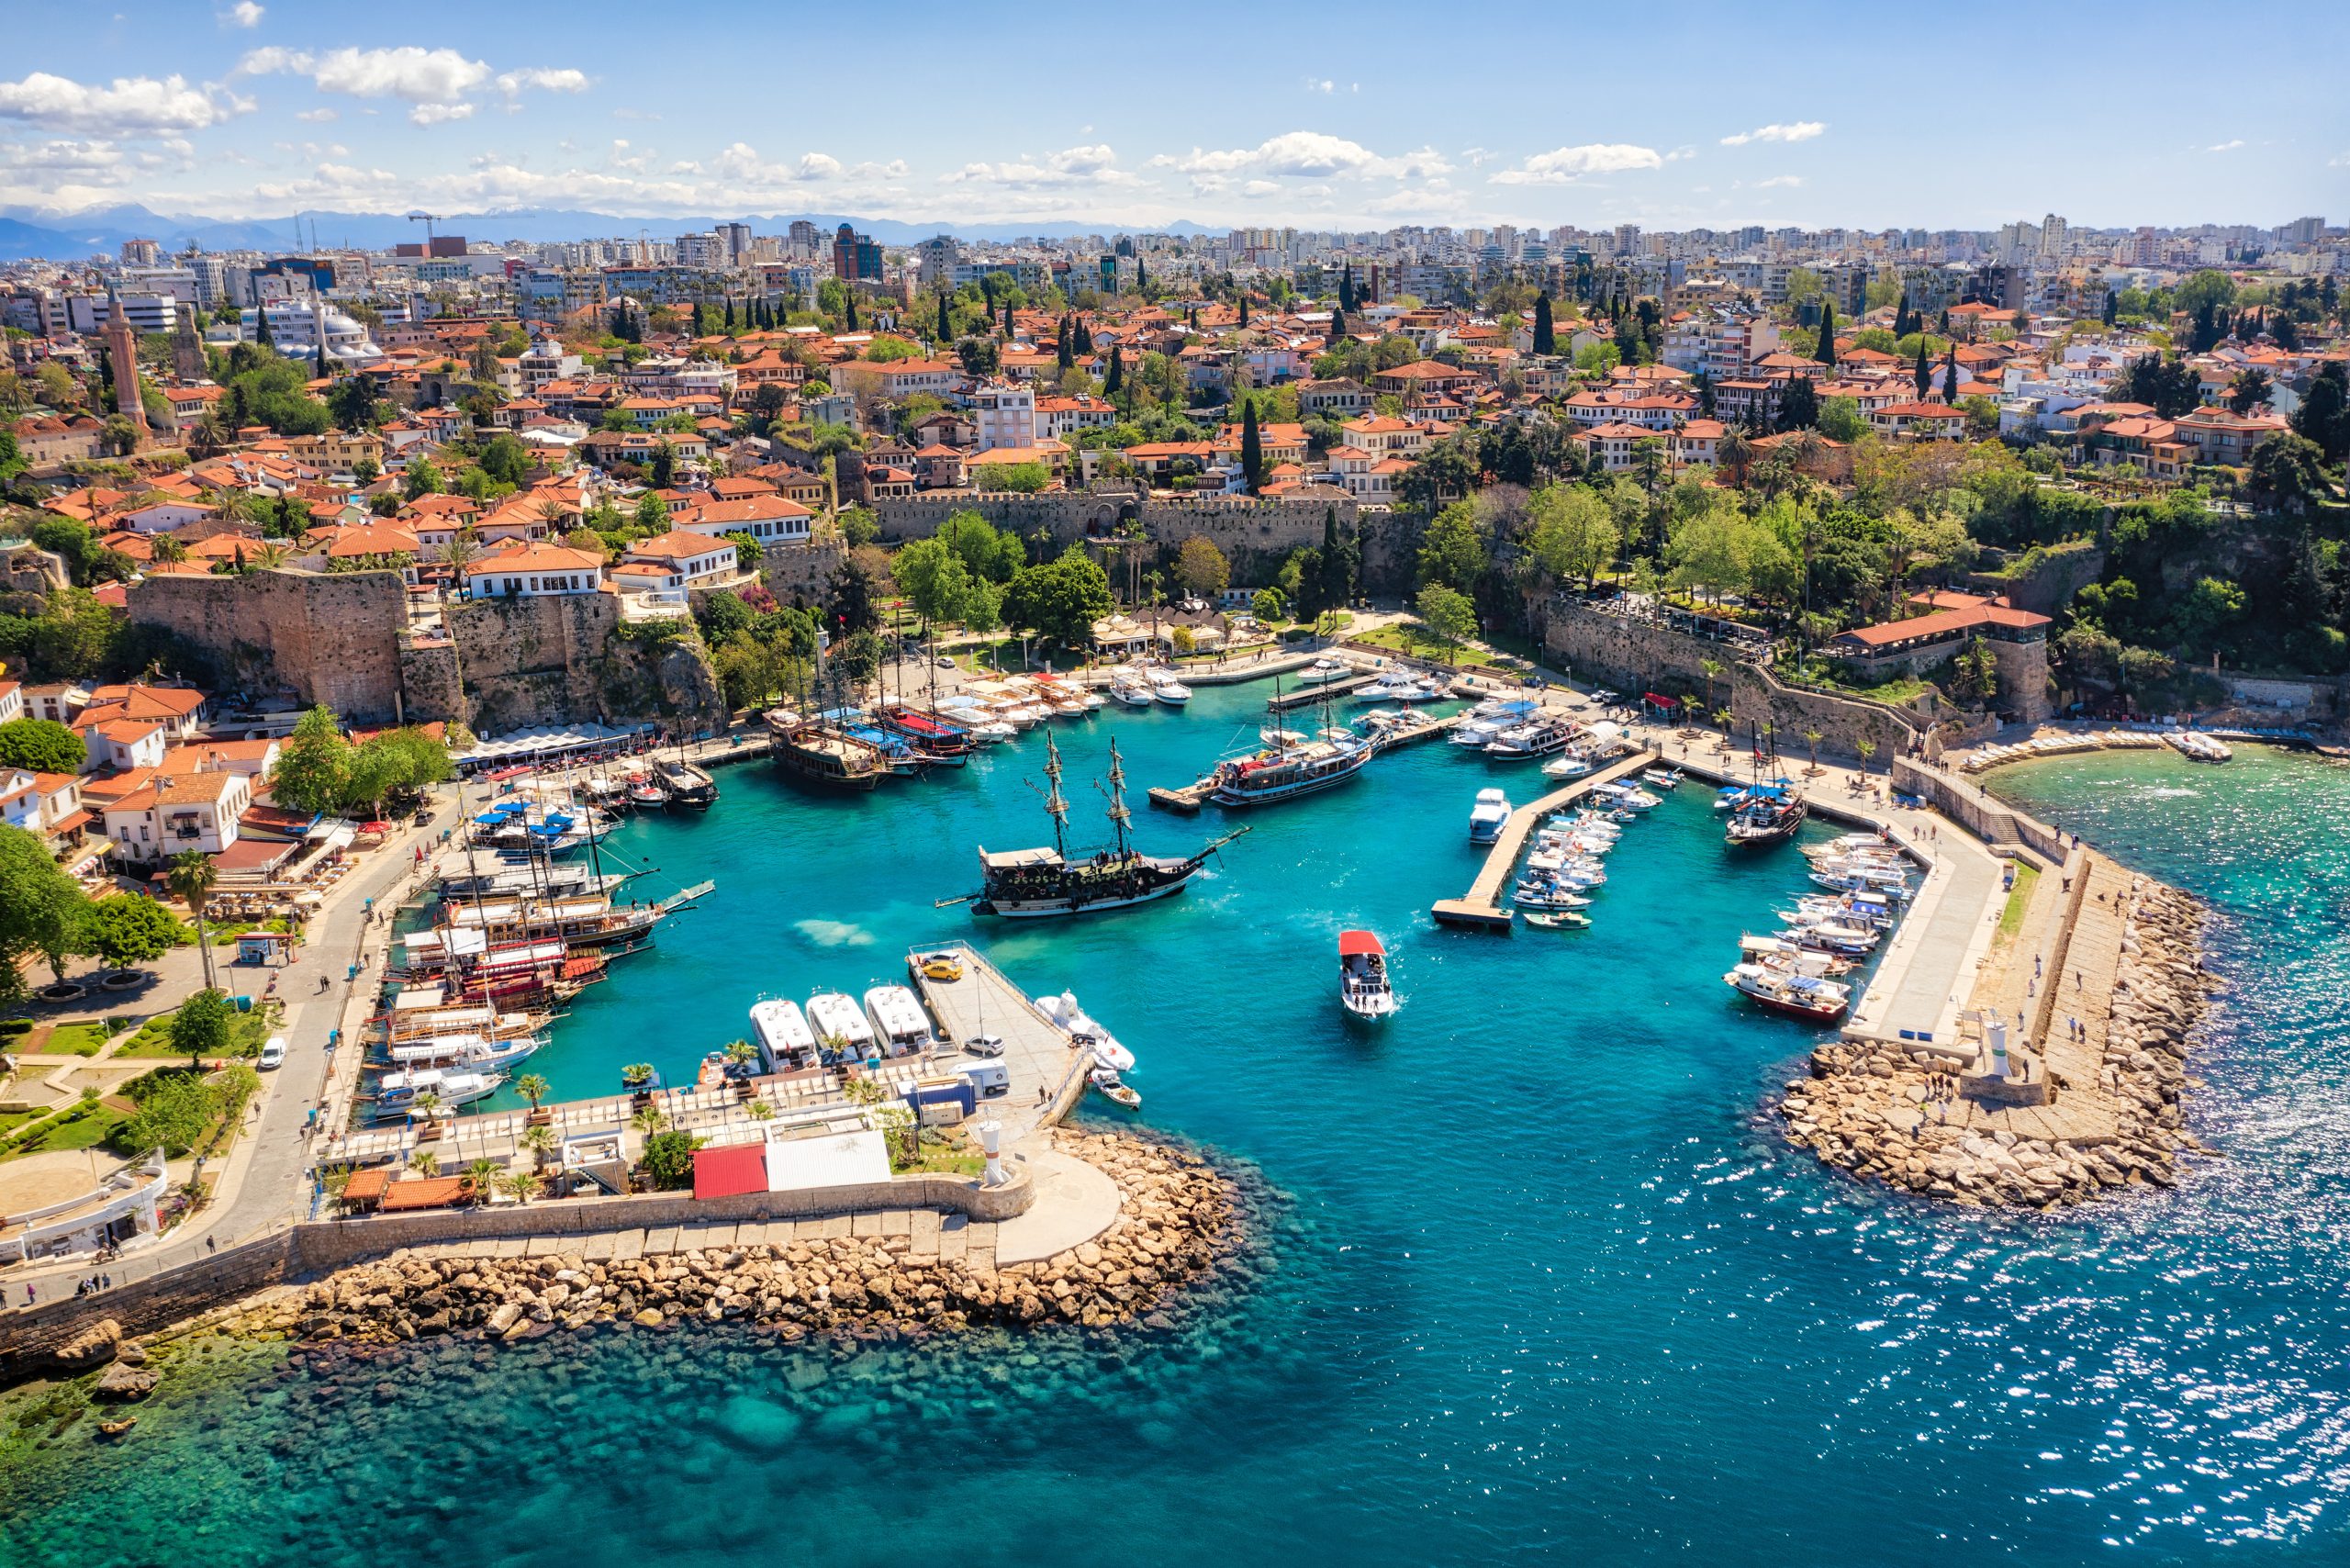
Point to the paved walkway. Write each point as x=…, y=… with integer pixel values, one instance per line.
x=1075, y=1202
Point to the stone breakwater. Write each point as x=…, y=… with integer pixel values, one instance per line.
x=1876, y=1109
x=1177, y=1217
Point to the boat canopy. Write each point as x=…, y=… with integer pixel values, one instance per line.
x=1357, y=944
x=1014, y=859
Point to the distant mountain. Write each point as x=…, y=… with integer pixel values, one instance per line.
x=30, y=232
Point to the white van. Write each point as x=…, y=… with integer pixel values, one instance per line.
x=990, y=1078
x=273, y=1053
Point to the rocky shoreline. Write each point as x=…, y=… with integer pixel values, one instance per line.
x=1864, y=1108
x=1177, y=1219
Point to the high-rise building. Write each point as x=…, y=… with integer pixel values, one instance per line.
x=141, y=253
x=2051, y=236
x=855, y=258
x=802, y=235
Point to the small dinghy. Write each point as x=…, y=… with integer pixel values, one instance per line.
x=1114, y=1088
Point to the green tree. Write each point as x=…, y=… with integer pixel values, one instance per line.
x=2287, y=473
x=175, y=1108
x=1450, y=616
x=314, y=769
x=1452, y=551
x=422, y=478
x=42, y=746
x=1059, y=599
x=1826, y=350
x=1546, y=341
x=201, y=1026
x=1252, y=443
x=1267, y=606
x=1571, y=534
x=41, y=910
x=1019, y=479
x=1201, y=568
x=669, y=1159
x=129, y=928
x=1924, y=373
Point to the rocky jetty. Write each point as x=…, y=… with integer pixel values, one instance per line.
x=1871, y=1108
x=1176, y=1219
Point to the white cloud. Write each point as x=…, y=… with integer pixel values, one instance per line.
x=1304, y=154
x=1094, y=164
x=1801, y=130
x=543, y=79
x=741, y=163
x=319, y=116
x=419, y=75
x=1565, y=165
x=438, y=114
x=129, y=106
x=243, y=13
x=1323, y=85
x=1777, y=181
x=2225, y=146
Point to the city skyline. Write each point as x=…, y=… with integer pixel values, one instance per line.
x=249, y=111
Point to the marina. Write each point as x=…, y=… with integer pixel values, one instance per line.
x=1480, y=907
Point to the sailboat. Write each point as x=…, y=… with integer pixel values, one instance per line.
x=1028, y=883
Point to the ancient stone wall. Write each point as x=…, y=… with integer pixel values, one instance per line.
x=331, y=638
x=1992, y=821
x=2050, y=579
x=563, y=659
x=30, y=1337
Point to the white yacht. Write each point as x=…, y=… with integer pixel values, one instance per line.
x=1488, y=816
x=840, y=1025
x=1567, y=765
x=1401, y=686
x=397, y=1094
x=1063, y=1011
x=898, y=1021
x=1165, y=688
x=781, y=1031
x=1132, y=689
x=1321, y=670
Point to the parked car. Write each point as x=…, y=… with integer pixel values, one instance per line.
x=984, y=1045
x=273, y=1053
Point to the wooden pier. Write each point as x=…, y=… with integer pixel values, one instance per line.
x=1422, y=727
x=1481, y=908
x=1187, y=799
x=1307, y=696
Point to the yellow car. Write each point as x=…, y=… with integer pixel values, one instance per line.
x=942, y=967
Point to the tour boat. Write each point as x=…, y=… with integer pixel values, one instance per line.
x=780, y=1031
x=1085, y=1033
x=817, y=756
x=687, y=785
x=552, y=880
x=1165, y=688
x=464, y=1051
x=1284, y=772
x=939, y=742
x=899, y=1022
x=1770, y=814
x=1363, y=987
x=1806, y=997
x=1488, y=816
x=1028, y=883
x=1114, y=1089
x=398, y=1094
x=1539, y=737
x=515, y=827
x=1775, y=952
x=644, y=792
x=840, y=1025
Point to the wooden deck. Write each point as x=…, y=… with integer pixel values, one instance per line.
x=1307, y=696
x=1481, y=908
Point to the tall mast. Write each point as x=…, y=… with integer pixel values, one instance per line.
x=1055, y=804
x=1118, y=813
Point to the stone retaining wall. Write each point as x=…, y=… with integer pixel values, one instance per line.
x=328, y=637
x=1990, y=820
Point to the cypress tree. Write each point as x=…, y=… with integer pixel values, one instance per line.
x=1901, y=316
x=261, y=338
x=1244, y=310
x=946, y=327
x=1252, y=446
x=1337, y=325
x=1007, y=320
x=1080, y=336
x=1347, y=288
x=1825, y=352
x=1546, y=338
x=849, y=324
x=325, y=372
x=1949, y=378
x=1925, y=372
x=1142, y=278
x=2112, y=308
x=1063, y=354
x=1114, y=377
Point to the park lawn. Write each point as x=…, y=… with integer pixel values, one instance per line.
x=1426, y=647
x=76, y=1039
x=82, y=1127
x=246, y=1033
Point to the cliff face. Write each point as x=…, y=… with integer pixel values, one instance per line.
x=331, y=638
x=568, y=659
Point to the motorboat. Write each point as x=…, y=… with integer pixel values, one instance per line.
x=644, y=793
x=1778, y=952
x=780, y=1031
x=1567, y=765
x=1322, y=670
x=899, y=1022
x=1273, y=736
x=1490, y=718
x=1111, y=1087
x=399, y=1093
x=1063, y=1011
x=1132, y=690
x=1806, y=997
x=1565, y=919
x=1660, y=778
x=840, y=1026
x=1401, y=686
x=1364, y=986
x=1538, y=737
x=1166, y=689
x=1488, y=816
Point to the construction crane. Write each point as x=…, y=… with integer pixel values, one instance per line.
x=428, y=219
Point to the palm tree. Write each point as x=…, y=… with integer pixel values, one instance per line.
x=190, y=878
x=1811, y=738
x=424, y=1162
x=210, y=436
x=425, y=1106
x=1722, y=716
x=542, y=1142
x=741, y=1053
x=481, y=1177
x=518, y=1185
x=168, y=549
x=1867, y=749
x=650, y=1120
x=532, y=1087
x=1712, y=669
x=1734, y=452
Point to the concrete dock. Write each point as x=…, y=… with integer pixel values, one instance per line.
x=1048, y=1069
x=1307, y=696
x=1481, y=908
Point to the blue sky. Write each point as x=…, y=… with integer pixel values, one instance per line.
x=1360, y=116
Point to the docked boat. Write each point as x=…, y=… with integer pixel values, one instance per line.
x=824, y=757
x=1567, y=765
x=1401, y=685
x=1364, y=989
x=1776, y=952
x=1807, y=997
x=687, y=785
x=840, y=1025
x=1490, y=718
x=1564, y=920
x=1771, y=814
x=899, y=1022
x=1323, y=671
x=1488, y=816
x=1660, y=778
x=549, y=880
x=780, y=1031
x=1537, y=737
x=1116, y=1090
x=464, y=1051
x=2197, y=746
x=941, y=742
x=1166, y=689
x=1132, y=689
x=644, y=793
x=1028, y=883
x=399, y=1093
x=1283, y=772
x=581, y=920
x=518, y=828
x=1088, y=1034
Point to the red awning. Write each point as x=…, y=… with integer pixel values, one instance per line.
x=1653, y=700
x=1352, y=944
x=725, y=1173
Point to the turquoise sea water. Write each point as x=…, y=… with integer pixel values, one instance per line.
x=1540, y=1283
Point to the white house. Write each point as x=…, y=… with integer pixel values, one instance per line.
x=535, y=570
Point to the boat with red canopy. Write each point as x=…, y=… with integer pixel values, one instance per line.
x=1364, y=985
